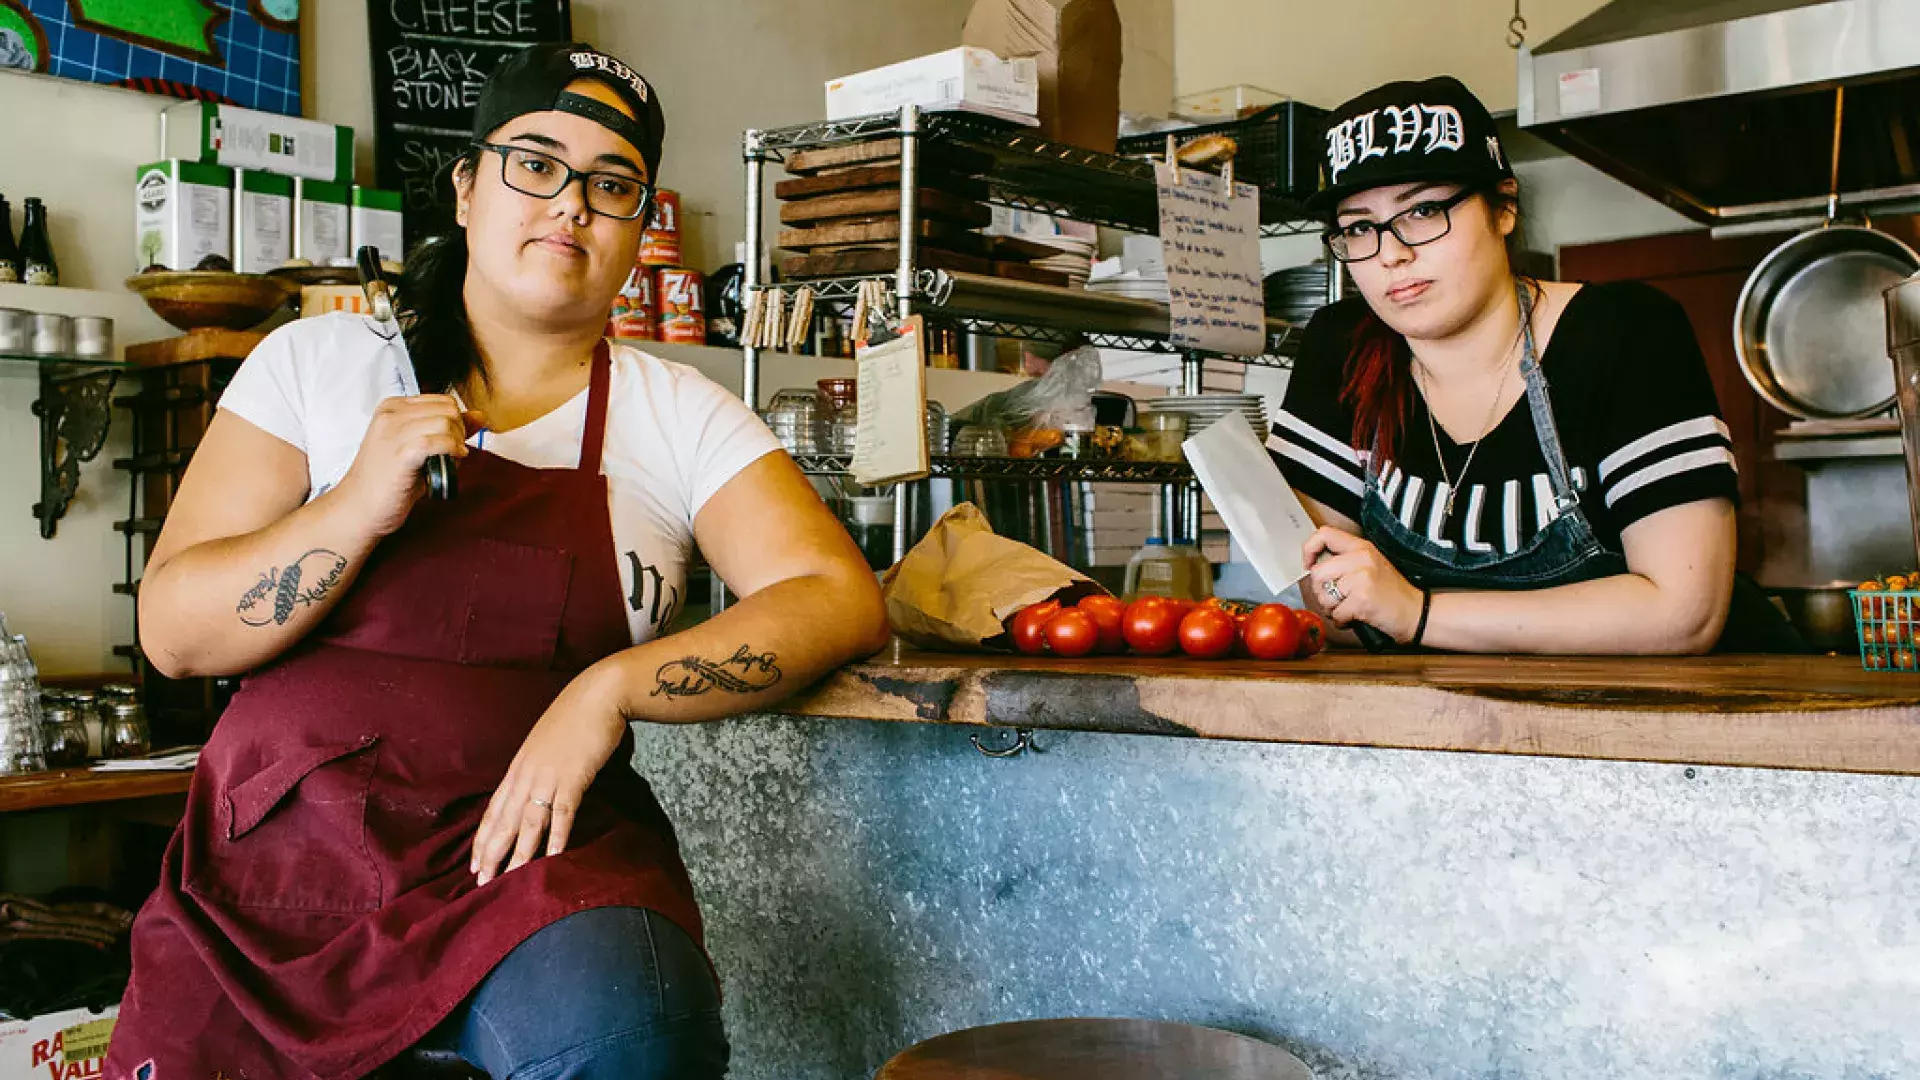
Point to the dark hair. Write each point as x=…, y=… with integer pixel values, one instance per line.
x=433, y=304
x=1379, y=373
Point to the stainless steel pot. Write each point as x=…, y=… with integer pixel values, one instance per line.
x=1903, y=346
x=1822, y=614
x=1808, y=326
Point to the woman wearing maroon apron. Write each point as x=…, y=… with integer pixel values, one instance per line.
x=417, y=822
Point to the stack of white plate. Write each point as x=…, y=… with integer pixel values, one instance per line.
x=1203, y=410
x=1075, y=259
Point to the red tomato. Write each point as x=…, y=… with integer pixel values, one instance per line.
x=1272, y=633
x=1207, y=633
x=1029, y=624
x=1181, y=606
x=1151, y=626
x=1072, y=633
x=1903, y=660
x=1872, y=634
x=1313, y=633
x=1108, y=614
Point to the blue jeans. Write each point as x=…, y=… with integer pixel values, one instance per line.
x=608, y=992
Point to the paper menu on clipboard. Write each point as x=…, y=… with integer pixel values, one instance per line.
x=891, y=442
x=1210, y=237
x=1258, y=505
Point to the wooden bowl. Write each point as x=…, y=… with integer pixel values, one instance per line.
x=196, y=299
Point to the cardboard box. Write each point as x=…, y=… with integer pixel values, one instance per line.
x=183, y=212
x=262, y=221
x=967, y=79
x=322, y=229
x=37, y=1049
x=377, y=218
x=249, y=139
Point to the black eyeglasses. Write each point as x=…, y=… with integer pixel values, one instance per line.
x=543, y=176
x=1422, y=223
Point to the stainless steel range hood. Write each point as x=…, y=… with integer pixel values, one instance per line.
x=1724, y=109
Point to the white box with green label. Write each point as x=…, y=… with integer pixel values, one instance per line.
x=321, y=227
x=250, y=139
x=378, y=217
x=183, y=212
x=262, y=221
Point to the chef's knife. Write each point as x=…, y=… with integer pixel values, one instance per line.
x=1260, y=508
x=439, y=468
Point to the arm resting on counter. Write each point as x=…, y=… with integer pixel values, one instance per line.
x=1673, y=598
x=808, y=603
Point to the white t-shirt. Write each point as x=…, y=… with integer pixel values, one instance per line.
x=674, y=437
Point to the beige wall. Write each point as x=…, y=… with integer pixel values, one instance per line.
x=1324, y=53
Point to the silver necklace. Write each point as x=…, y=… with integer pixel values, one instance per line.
x=1486, y=426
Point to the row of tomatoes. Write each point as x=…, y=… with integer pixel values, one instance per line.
x=1158, y=626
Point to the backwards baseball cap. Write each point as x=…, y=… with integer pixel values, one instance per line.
x=1409, y=132
x=535, y=80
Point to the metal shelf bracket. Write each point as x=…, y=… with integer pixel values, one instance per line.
x=75, y=412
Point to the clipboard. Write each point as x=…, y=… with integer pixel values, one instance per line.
x=890, y=444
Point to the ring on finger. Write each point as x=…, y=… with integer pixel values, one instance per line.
x=1332, y=589
x=540, y=802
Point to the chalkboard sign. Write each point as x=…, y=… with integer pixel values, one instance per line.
x=430, y=59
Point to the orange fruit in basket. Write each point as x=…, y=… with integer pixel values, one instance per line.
x=1903, y=660
x=1896, y=583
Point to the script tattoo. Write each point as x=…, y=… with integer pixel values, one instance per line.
x=745, y=672
x=306, y=580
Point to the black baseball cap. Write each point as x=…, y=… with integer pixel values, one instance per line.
x=1409, y=132
x=535, y=80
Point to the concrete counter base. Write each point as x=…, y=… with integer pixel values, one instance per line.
x=1381, y=913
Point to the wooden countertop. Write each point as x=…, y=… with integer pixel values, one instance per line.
x=1790, y=712
x=77, y=787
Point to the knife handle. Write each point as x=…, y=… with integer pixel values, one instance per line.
x=1373, y=639
x=440, y=477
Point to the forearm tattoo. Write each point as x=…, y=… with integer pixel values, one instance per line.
x=745, y=672
x=281, y=590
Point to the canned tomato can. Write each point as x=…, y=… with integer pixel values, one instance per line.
x=635, y=315
x=660, y=243
x=682, y=314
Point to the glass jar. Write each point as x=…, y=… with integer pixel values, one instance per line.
x=841, y=418
x=65, y=736
x=87, y=705
x=21, y=743
x=125, y=734
x=980, y=440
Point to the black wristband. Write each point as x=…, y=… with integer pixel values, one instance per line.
x=1426, y=608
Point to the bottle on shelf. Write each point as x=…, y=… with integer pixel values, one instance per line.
x=36, y=251
x=1158, y=570
x=10, y=266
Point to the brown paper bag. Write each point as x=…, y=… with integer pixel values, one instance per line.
x=1011, y=29
x=1090, y=56
x=960, y=583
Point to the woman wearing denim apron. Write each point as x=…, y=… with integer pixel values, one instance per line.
x=1500, y=464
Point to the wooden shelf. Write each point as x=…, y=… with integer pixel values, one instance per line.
x=80, y=787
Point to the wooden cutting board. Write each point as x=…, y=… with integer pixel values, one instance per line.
x=879, y=260
x=868, y=177
x=881, y=231
x=872, y=204
x=934, y=157
x=1019, y=271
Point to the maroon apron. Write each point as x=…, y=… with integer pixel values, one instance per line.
x=315, y=916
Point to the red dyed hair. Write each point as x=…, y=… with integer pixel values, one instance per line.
x=1379, y=385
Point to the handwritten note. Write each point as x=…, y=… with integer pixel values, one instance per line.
x=1212, y=243
x=891, y=443
x=430, y=59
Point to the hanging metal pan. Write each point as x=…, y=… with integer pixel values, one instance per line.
x=1810, y=330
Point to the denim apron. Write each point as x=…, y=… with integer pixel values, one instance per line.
x=1566, y=551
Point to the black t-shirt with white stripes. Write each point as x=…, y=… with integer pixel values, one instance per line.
x=1631, y=397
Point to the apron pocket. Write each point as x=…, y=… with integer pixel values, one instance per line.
x=293, y=835
x=515, y=601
